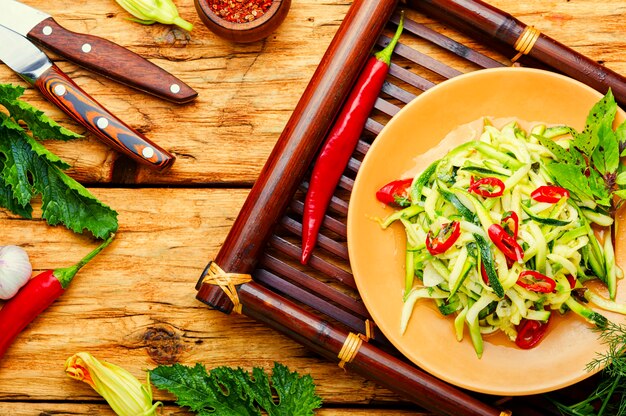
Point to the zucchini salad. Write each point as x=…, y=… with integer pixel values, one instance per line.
x=497, y=240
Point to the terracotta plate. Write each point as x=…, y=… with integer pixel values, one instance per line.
x=377, y=256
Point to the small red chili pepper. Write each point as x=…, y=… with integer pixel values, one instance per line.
x=483, y=273
x=444, y=239
x=396, y=193
x=530, y=332
x=506, y=243
x=341, y=142
x=549, y=194
x=489, y=187
x=571, y=280
x=536, y=282
x=510, y=223
x=39, y=293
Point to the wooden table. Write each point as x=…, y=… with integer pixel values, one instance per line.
x=135, y=304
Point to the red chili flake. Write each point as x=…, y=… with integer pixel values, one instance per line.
x=240, y=11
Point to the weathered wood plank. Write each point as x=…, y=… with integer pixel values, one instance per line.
x=90, y=409
x=247, y=92
x=135, y=304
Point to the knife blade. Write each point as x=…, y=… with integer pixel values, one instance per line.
x=94, y=53
x=23, y=57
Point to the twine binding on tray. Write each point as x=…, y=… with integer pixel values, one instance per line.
x=525, y=42
x=214, y=275
x=350, y=348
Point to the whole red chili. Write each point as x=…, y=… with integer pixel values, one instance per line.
x=341, y=142
x=506, y=243
x=530, y=332
x=536, y=282
x=510, y=223
x=39, y=293
x=396, y=193
x=444, y=239
x=489, y=187
x=549, y=194
x=238, y=11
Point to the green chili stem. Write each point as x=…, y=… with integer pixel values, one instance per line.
x=66, y=274
x=385, y=54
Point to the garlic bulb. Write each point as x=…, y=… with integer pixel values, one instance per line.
x=15, y=270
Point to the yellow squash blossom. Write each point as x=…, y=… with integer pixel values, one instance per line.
x=151, y=11
x=124, y=393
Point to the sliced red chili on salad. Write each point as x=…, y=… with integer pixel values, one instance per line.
x=396, y=193
x=550, y=194
x=530, y=332
x=506, y=243
x=510, y=223
x=489, y=187
x=536, y=282
x=444, y=239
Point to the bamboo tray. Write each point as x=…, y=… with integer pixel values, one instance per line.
x=318, y=305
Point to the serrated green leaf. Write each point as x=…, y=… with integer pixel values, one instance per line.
x=228, y=391
x=606, y=155
x=42, y=126
x=601, y=114
x=218, y=393
x=296, y=394
x=29, y=168
x=560, y=153
x=572, y=178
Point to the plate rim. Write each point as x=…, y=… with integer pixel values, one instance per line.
x=583, y=374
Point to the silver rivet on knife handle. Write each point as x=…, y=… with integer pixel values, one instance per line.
x=147, y=152
x=47, y=30
x=86, y=48
x=175, y=88
x=60, y=90
x=102, y=123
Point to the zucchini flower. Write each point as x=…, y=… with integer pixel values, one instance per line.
x=148, y=12
x=124, y=393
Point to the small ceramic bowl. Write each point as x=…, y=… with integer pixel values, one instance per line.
x=244, y=32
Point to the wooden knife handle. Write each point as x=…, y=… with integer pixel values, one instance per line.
x=112, y=61
x=69, y=97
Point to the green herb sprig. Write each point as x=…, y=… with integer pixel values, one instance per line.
x=589, y=167
x=28, y=169
x=233, y=391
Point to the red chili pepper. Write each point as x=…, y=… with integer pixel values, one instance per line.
x=510, y=223
x=530, y=332
x=571, y=280
x=506, y=243
x=39, y=293
x=549, y=194
x=536, y=282
x=396, y=193
x=489, y=187
x=341, y=142
x=483, y=273
x=443, y=240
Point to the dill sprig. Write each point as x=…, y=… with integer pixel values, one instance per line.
x=609, y=397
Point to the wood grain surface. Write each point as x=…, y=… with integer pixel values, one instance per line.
x=135, y=304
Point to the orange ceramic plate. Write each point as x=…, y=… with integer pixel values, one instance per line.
x=377, y=256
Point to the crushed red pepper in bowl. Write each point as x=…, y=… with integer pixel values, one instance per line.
x=242, y=20
x=240, y=11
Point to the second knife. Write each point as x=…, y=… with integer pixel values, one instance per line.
x=94, y=53
x=19, y=54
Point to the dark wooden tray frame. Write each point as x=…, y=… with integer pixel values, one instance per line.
x=318, y=305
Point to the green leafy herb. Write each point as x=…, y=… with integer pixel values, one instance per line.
x=609, y=397
x=589, y=165
x=28, y=169
x=226, y=391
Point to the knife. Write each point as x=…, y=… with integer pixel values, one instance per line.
x=19, y=54
x=94, y=53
